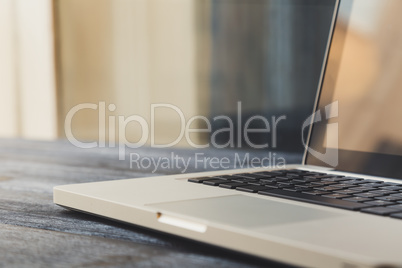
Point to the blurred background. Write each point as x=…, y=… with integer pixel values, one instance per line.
x=203, y=56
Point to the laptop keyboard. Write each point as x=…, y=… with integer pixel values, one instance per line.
x=368, y=196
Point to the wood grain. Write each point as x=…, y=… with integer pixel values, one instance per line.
x=34, y=232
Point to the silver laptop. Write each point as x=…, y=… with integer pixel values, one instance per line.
x=341, y=208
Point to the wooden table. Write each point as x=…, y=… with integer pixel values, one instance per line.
x=36, y=233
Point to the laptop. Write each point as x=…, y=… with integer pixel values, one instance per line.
x=342, y=207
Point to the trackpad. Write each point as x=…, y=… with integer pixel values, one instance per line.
x=244, y=211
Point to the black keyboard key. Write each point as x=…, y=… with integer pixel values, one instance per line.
x=292, y=175
x=250, y=176
x=201, y=180
x=214, y=182
x=319, y=176
x=373, y=185
x=294, y=189
x=380, y=203
x=242, y=179
x=291, y=189
x=382, y=191
x=353, y=182
x=347, y=191
x=232, y=185
x=368, y=194
x=268, y=180
x=251, y=188
x=353, y=178
x=358, y=199
x=305, y=180
x=314, y=199
x=224, y=177
x=329, y=188
x=280, y=179
x=335, y=179
x=270, y=173
x=271, y=186
x=383, y=211
x=320, y=183
x=285, y=184
x=255, y=183
x=343, y=185
x=392, y=188
x=303, y=186
x=316, y=192
x=337, y=196
x=396, y=215
x=392, y=184
x=396, y=206
x=298, y=171
x=372, y=181
x=389, y=198
x=363, y=189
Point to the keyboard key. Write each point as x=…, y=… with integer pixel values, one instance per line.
x=242, y=179
x=314, y=199
x=269, y=173
x=368, y=194
x=292, y=175
x=304, y=180
x=271, y=186
x=255, y=183
x=353, y=178
x=317, y=184
x=319, y=176
x=251, y=188
x=392, y=184
x=294, y=189
x=328, y=188
x=358, y=199
x=316, y=192
x=335, y=179
x=337, y=196
x=373, y=184
x=392, y=188
x=379, y=203
x=396, y=215
x=268, y=180
x=342, y=185
x=372, y=181
x=347, y=191
x=298, y=171
x=278, y=179
x=322, y=183
x=383, y=211
x=249, y=175
x=389, y=198
x=382, y=191
x=214, y=182
x=232, y=185
x=363, y=189
x=304, y=187
x=397, y=206
x=353, y=182
x=201, y=180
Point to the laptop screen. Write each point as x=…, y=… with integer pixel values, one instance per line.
x=360, y=103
